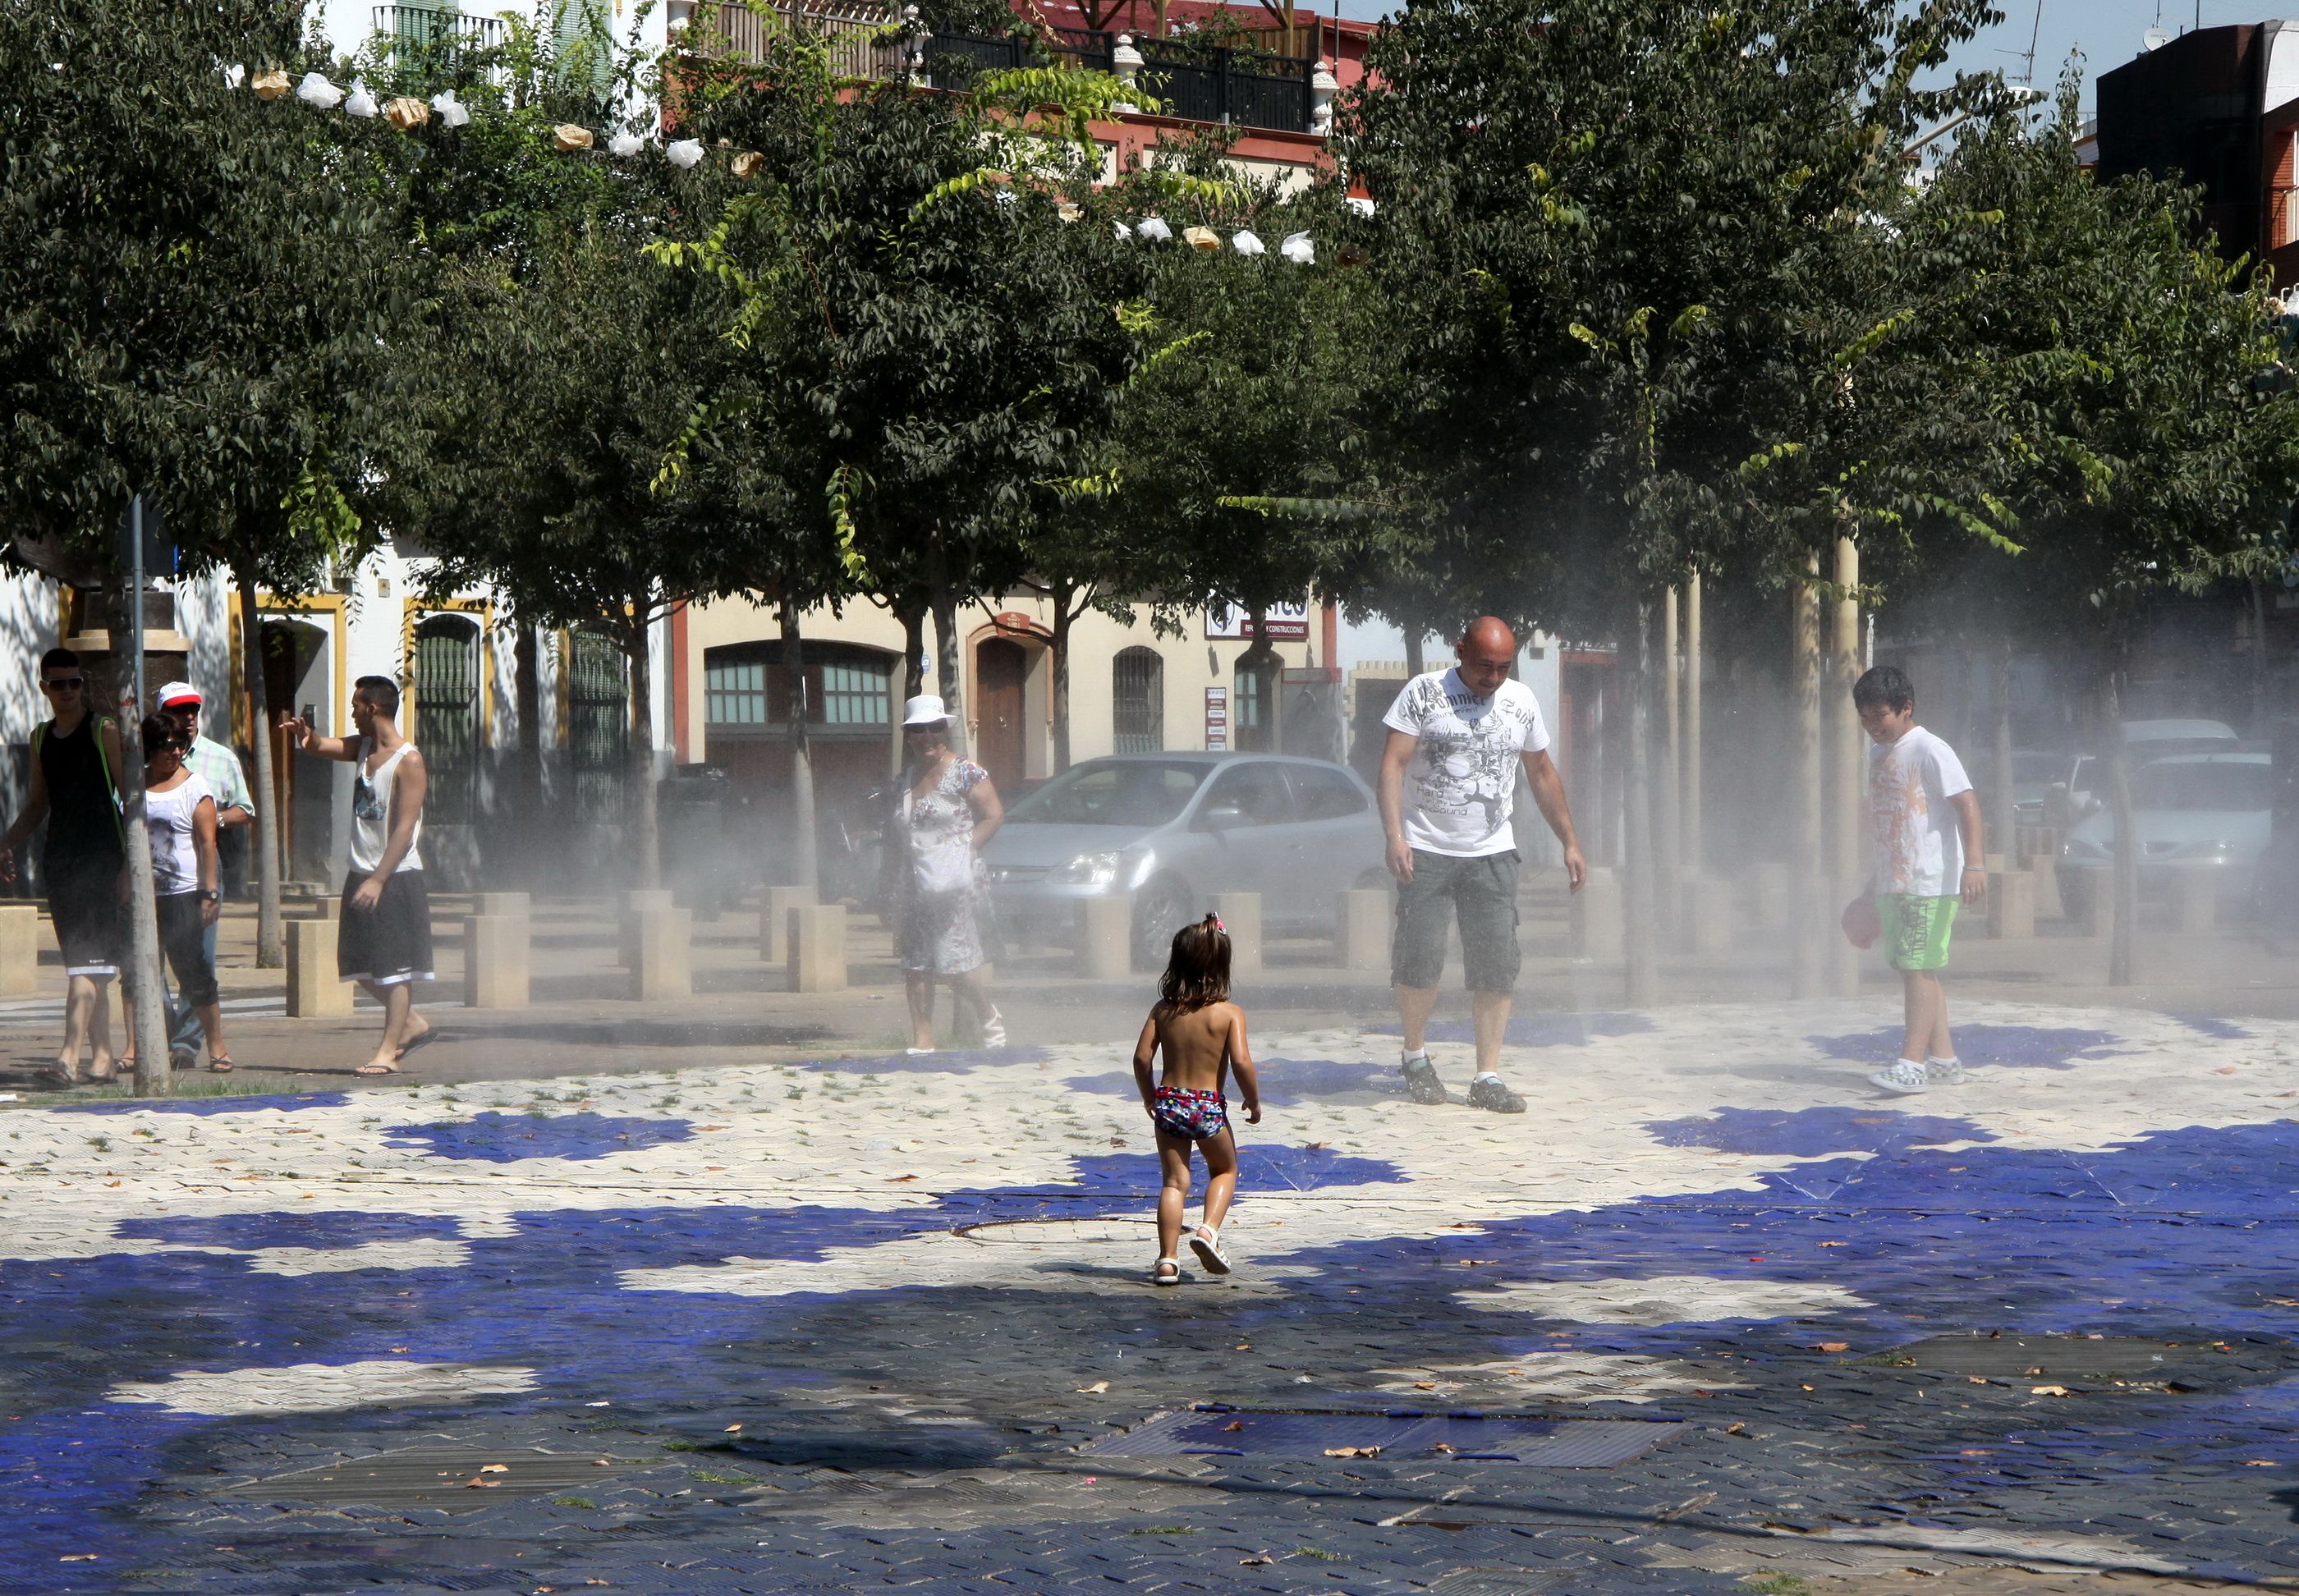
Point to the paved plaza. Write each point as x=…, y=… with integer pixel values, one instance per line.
x=1713, y=1317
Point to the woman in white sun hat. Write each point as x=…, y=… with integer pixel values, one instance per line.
x=949, y=810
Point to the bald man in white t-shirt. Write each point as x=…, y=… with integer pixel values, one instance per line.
x=1461, y=736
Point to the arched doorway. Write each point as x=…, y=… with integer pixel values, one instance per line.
x=1137, y=702
x=298, y=679
x=1253, y=701
x=598, y=727
x=1001, y=670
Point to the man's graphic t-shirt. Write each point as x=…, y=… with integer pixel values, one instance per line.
x=1915, y=843
x=1462, y=782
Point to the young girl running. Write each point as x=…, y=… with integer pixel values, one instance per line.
x=1202, y=1034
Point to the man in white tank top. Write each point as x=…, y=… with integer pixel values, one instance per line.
x=385, y=941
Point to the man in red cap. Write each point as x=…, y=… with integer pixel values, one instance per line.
x=219, y=767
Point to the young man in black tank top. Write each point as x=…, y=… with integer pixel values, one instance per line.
x=74, y=789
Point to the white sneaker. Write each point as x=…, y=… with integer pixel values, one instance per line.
x=1945, y=1072
x=1904, y=1076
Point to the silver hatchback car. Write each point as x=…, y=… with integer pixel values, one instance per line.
x=1172, y=830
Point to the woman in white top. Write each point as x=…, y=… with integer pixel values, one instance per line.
x=385, y=941
x=181, y=812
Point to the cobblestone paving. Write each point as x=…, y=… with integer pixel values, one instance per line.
x=884, y=1323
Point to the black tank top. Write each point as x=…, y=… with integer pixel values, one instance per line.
x=83, y=818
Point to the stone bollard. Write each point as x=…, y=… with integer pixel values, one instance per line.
x=1361, y=921
x=494, y=905
x=2195, y=902
x=313, y=985
x=496, y=960
x=1772, y=895
x=330, y=907
x=20, y=949
x=1105, y=948
x=816, y=936
x=773, y=920
x=2012, y=905
x=1707, y=920
x=2098, y=916
x=1240, y=917
x=1597, y=924
x=661, y=966
x=634, y=904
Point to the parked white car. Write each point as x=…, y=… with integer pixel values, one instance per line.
x=2081, y=787
x=2194, y=811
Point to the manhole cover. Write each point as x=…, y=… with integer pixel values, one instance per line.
x=1063, y=1233
x=2104, y=1360
x=433, y=1477
x=1224, y=1431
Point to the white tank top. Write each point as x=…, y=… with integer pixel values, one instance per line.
x=175, y=862
x=372, y=812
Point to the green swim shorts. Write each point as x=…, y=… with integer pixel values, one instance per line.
x=1916, y=930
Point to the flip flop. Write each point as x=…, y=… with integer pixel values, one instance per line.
x=221, y=1066
x=425, y=1039
x=371, y=1067
x=56, y=1075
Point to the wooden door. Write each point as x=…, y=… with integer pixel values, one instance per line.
x=1000, y=666
x=289, y=649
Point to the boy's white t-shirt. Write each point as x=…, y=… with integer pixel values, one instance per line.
x=1915, y=841
x=1462, y=782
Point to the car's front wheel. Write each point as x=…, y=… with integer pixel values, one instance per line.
x=1161, y=909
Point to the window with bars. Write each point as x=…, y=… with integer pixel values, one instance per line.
x=446, y=683
x=849, y=688
x=1253, y=706
x=598, y=727
x=1137, y=702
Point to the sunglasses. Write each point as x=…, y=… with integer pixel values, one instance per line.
x=57, y=683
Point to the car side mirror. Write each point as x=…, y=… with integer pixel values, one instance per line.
x=1221, y=817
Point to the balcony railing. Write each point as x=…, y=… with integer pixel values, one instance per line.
x=859, y=35
x=427, y=27
x=1201, y=83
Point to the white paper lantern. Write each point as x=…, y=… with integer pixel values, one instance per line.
x=1123, y=230
x=361, y=103
x=1298, y=249
x=452, y=112
x=1154, y=228
x=683, y=153
x=1361, y=205
x=625, y=144
x=1247, y=243
x=318, y=93
x=234, y=76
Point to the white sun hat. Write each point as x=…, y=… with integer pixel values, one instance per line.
x=924, y=709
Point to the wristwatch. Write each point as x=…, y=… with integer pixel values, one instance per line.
x=211, y=896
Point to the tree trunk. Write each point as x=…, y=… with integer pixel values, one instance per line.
x=526, y=661
x=946, y=678
x=1850, y=762
x=914, y=658
x=1811, y=863
x=1669, y=743
x=805, y=867
x=1415, y=661
x=2124, y=932
x=646, y=820
x=2260, y=718
x=1693, y=847
x=1063, y=594
x=146, y=999
x=1640, y=896
x=270, y=954
x=2002, y=802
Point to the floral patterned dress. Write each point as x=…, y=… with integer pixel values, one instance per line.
x=944, y=890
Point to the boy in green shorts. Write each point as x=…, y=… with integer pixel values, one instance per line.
x=1924, y=853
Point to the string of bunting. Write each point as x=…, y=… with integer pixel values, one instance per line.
x=406, y=112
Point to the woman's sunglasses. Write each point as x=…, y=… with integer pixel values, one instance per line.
x=57, y=683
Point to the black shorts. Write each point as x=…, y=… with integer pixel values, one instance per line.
x=84, y=901
x=183, y=937
x=392, y=942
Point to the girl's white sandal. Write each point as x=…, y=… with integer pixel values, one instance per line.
x=1159, y=1277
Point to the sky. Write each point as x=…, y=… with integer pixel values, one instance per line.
x=2107, y=31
